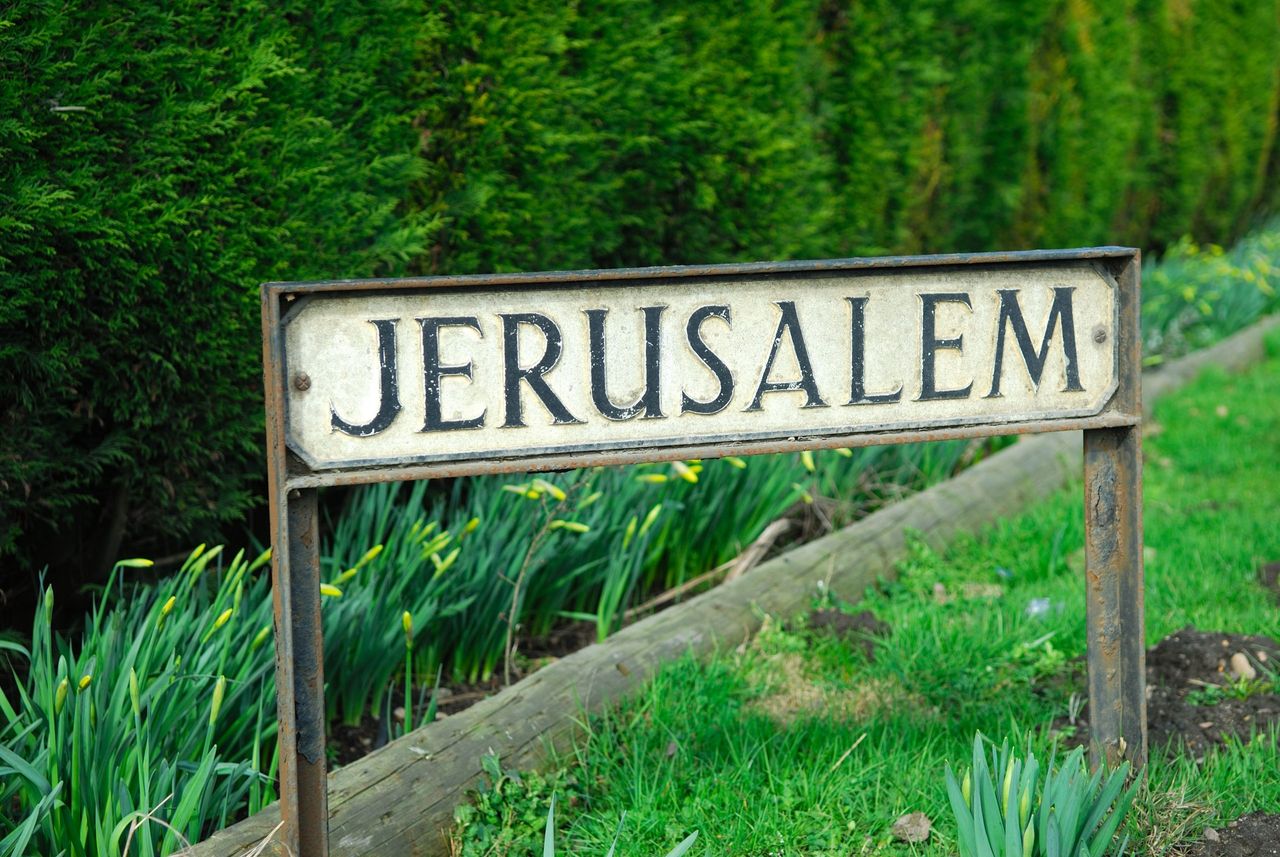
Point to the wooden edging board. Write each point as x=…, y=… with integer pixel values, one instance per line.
x=379, y=380
x=400, y=799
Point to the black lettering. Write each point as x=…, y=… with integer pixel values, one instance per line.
x=693, y=332
x=389, y=392
x=433, y=371
x=858, y=348
x=532, y=375
x=789, y=321
x=649, y=402
x=1034, y=360
x=930, y=344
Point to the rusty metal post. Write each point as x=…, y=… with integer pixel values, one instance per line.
x=295, y=592
x=1113, y=558
x=307, y=671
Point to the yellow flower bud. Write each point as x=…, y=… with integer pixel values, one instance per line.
x=650, y=518
x=165, y=610
x=437, y=544
x=135, y=563
x=571, y=526
x=217, y=623
x=84, y=680
x=735, y=461
x=966, y=789
x=844, y=452
x=329, y=590
x=347, y=575
x=630, y=533
x=1028, y=839
x=260, y=638
x=806, y=458
x=369, y=556
x=684, y=471
x=471, y=526
x=547, y=488
x=406, y=622
x=219, y=689
x=60, y=695
x=443, y=565
x=652, y=478
x=590, y=498
x=263, y=559
x=133, y=692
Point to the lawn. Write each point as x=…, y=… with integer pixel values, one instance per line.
x=803, y=741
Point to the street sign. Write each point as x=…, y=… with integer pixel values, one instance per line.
x=446, y=374
x=377, y=380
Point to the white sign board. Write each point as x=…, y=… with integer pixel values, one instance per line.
x=474, y=372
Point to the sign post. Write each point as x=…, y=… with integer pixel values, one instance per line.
x=377, y=380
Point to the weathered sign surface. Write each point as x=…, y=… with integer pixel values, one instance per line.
x=469, y=372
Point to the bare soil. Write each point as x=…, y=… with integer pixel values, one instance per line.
x=1254, y=835
x=1269, y=577
x=347, y=743
x=858, y=628
x=1194, y=700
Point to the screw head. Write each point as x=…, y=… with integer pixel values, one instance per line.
x=302, y=382
x=1099, y=335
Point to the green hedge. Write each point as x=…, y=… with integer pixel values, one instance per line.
x=158, y=160
x=616, y=132
x=224, y=145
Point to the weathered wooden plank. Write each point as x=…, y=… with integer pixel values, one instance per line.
x=399, y=800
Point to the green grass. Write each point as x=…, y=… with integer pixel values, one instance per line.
x=795, y=743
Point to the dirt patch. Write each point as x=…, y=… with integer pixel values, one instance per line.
x=348, y=742
x=1269, y=577
x=860, y=628
x=1197, y=698
x=791, y=693
x=1254, y=835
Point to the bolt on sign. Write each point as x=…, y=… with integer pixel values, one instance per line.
x=375, y=380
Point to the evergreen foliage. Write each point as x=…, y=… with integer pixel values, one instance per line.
x=225, y=144
x=158, y=160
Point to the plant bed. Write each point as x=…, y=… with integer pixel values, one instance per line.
x=1203, y=688
x=348, y=742
x=1254, y=835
